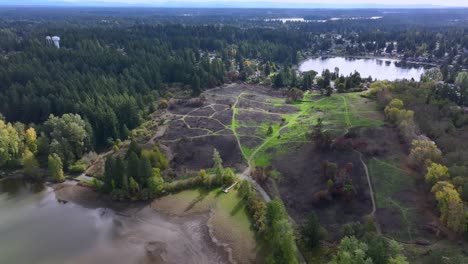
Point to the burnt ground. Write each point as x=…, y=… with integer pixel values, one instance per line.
x=405, y=205
x=301, y=178
x=197, y=126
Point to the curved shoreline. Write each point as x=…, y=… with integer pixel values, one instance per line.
x=216, y=241
x=364, y=57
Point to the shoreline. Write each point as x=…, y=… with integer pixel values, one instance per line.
x=364, y=57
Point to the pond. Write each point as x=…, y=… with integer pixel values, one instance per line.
x=36, y=226
x=380, y=69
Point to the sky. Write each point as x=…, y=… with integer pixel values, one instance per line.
x=259, y=3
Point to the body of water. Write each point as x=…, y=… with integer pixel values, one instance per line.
x=37, y=227
x=380, y=69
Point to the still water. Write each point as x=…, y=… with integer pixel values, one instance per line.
x=380, y=69
x=35, y=227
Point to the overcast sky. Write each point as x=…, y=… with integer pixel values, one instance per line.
x=344, y=2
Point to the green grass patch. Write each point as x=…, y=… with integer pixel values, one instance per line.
x=337, y=112
x=389, y=179
x=231, y=204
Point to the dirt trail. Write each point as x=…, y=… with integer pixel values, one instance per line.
x=371, y=190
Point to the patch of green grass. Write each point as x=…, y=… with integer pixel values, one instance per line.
x=232, y=204
x=337, y=112
x=247, y=151
x=389, y=179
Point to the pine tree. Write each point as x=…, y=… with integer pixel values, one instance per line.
x=133, y=166
x=109, y=182
x=120, y=174
x=145, y=171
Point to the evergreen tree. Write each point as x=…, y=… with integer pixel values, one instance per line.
x=133, y=147
x=145, y=171
x=120, y=175
x=109, y=182
x=196, y=89
x=133, y=170
x=311, y=231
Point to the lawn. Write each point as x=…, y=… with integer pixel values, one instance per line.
x=229, y=219
x=339, y=112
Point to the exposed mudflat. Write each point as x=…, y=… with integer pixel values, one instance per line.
x=70, y=224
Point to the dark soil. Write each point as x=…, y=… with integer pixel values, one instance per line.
x=177, y=130
x=301, y=178
x=205, y=111
x=250, y=142
x=224, y=116
x=202, y=122
x=196, y=154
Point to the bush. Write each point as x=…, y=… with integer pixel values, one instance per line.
x=163, y=104
x=78, y=167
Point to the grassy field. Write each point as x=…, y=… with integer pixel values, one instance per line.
x=229, y=219
x=339, y=112
x=389, y=179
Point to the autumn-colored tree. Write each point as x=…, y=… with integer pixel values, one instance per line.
x=423, y=151
x=450, y=206
x=436, y=172
x=9, y=143
x=31, y=139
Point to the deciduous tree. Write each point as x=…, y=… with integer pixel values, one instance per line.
x=56, y=167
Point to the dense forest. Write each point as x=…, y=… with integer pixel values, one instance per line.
x=103, y=73
x=63, y=102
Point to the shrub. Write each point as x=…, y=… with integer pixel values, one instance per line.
x=78, y=167
x=163, y=104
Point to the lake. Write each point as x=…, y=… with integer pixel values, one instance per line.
x=380, y=69
x=36, y=226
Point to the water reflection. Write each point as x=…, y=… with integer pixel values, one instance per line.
x=381, y=69
x=35, y=227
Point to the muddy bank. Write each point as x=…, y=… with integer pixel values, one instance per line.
x=227, y=224
x=196, y=222
x=67, y=223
